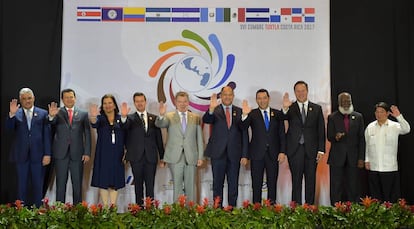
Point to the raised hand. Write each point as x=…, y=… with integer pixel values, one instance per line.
x=213, y=102
x=163, y=108
x=245, y=107
x=14, y=106
x=53, y=109
x=125, y=109
x=93, y=110
x=395, y=112
x=286, y=101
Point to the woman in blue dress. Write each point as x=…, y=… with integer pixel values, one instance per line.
x=108, y=168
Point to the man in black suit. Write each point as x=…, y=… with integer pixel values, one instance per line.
x=305, y=141
x=144, y=146
x=228, y=144
x=267, y=144
x=71, y=144
x=347, y=154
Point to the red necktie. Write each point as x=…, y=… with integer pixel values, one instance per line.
x=228, y=117
x=70, y=116
x=346, y=122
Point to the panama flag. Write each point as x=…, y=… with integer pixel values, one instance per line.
x=274, y=15
x=286, y=15
x=185, y=14
x=88, y=13
x=257, y=15
x=158, y=14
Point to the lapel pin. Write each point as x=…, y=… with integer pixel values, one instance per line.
x=35, y=114
x=310, y=108
x=353, y=117
x=272, y=114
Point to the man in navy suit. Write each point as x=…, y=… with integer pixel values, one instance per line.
x=228, y=144
x=71, y=144
x=144, y=146
x=346, y=134
x=267, y=144
x=305, y=144
x=31, y=146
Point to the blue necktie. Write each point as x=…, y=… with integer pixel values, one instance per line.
x=266, y=119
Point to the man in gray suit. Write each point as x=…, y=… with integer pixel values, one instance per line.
x=71, y=144
x=184, y=149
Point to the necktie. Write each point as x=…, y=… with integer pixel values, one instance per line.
x=303, y=113
x=346, y=122
x=70, y=112
x=29, y=118
x=266, y=119
x=143, y=122
x=183, y=122
x=228, y=120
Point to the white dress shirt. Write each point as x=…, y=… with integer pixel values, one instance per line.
x=382, y=144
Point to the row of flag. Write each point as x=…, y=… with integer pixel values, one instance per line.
x=149, y=14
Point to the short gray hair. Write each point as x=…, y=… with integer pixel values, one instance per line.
x=26, y=90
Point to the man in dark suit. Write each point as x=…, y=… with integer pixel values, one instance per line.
x=144, y=146
x=228, y=144
x=305, y=141
x=31, y=146
x=346, y=134
x=71, y=144
x=267, y=144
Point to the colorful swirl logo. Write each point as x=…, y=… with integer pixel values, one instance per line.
x=194, y=66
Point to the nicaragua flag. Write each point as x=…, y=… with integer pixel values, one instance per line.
x=88, y=13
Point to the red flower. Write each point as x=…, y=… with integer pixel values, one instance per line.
x=257, y=206
x=68, y=206
x=134, y=208
x=85, y=204
x=148, y=203
x=200, y=209
x=19, y=204
x=181, y=200
x=167, y=209
x=156, y=203
x=387, y=204
x=402, y=203
x=93, y=209
x=267, y=202
x=205, y=202
x=246, y=204
x=278, y=208
x=217, y=201
x=367, y=201
x=292, y=205
x=46, y=202
x=228, y=208
x=191, y=204
x=412, y=209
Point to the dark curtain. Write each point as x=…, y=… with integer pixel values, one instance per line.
x=30, y=57
x=372, y=57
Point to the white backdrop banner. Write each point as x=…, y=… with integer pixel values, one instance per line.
x=160, y=47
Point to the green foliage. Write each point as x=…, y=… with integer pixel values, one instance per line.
x=370, y=213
